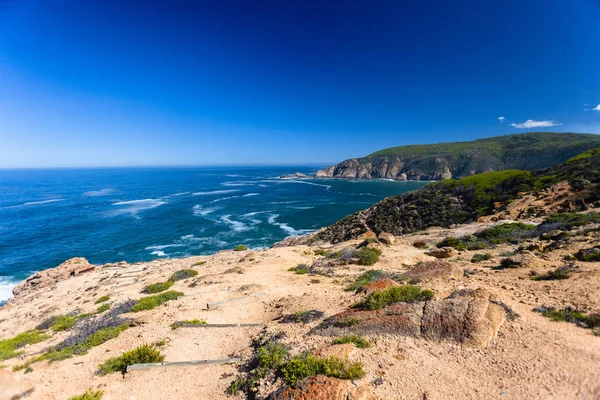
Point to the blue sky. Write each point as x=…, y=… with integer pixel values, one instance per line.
x=114, y=83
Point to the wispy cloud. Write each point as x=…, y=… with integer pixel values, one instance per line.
x=597, y=108
x=534, y=124
x=501, y=119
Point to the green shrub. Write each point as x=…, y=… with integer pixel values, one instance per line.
x=559, y=273
x=89, y=395
x=300, y=269
x=102, y=308
x=572, y=220
x=102, y=299
x=9, y=347
x=183, y=274
x=358, y=341
x=364, y=279
x=158, y=287
x=63, y=323
x=368, y=255
x=150, y=302
x=302, y=367
x=481, y=257
x=240, y=247
x=397, y=294
x=506, y=233
x=348, y=322
x=141, y=355
x=321, y=252
x=198, y=263
x=179, y=324
x=272, y=355
x=568, y=314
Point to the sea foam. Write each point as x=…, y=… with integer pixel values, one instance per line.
x=135, y=206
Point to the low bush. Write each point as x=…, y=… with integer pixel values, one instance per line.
x=240, y=247
x=504, y=233
x=348, y=322
x=321, y=252
x=364, y=279
x=179, y=324
x=150, y=302
x=559, y=273
x=89, y=395
x=571, y=220
x=481, y=257
x=9, y=348
x=158, y=287
x=358, y=341
x=63, y=322
x=568, y=314
x=397, y=294
x=102, y=299
x=305, y=317
x=198, y=263
x=300, y=269
x=183, y=274
x=102, y=308
x=143, y=354
x=302, y=367
x=368, y=256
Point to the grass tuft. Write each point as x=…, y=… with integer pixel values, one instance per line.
x=89, y=395
x=150, y=302
x=9, y=348
x=240, y=247
x=140, y=355
x=179, y=324
x=102, y=299
x=364, y=279
x=102, y=308
x=158, y=287
x=183, y=274
x=357, y=340
x=368, y=256
x=397, y=294
x=302, y=367
x=481, y=257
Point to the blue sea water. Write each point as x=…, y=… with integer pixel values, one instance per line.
x=140, y=214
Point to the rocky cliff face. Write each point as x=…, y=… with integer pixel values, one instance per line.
x=456, y=160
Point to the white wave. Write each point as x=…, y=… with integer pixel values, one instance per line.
x=6, y=286
x=234, y=176
x=286, y=228
x=235, y=225
x=251, y=194
x=224, y=198
x=301, y=208
x=163, y=246
x=237, y=183
x=327, y=187
x=251, y=214
x=174, y=195
x=134, y=206
x=101, y=192
x=200, y=211
x=204, y=240
x=32, y=203
x=215, y=192
x=159, y=253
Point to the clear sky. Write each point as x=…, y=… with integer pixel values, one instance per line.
x=114, y=83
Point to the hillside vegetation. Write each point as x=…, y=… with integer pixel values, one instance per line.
x=460, y=201
x=530, y=151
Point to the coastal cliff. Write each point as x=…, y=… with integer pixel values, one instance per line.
x=528, y=151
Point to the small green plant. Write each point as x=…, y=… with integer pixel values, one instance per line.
x=102, y=299
x=179, y=324
x=302, y=367
x=140, y=355
x=481, y=257
x=321, y=252
x=198, y=263
x=348, y=322
x=368, y=255
x=300, y=269
x=568, y=314
x=183, y=274
x=150, y=302
x=559, y=273
x=102, y=308
x=63, y=323
x=89, y=395
x=364, y=279
x=9, y=348
x=240, y=247
x=397, y=294
x=158, y=287
x=357, y=340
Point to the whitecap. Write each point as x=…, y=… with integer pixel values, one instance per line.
x=302, y=208
x=159, y=253
x=174, y=195
x=33, y=203
x=251, y=194
x=251, y=214
x=235, y=225
x=97, y=193
x=215, y=192
x=200, y=211
x=224, y=198
x=237, y=183
x=286, y=228
x=163, y=246
x=7, y=283
x=134, y=206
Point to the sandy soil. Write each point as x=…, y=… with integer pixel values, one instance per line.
x=532, y=357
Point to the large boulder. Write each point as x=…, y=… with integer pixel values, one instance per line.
x=467, y=317
x=321, y=387
x=444, y=252
x=387, y=238
x=72, y=267
x=525, y=259
x=437, y=269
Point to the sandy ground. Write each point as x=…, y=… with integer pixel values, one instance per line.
x=532, y=357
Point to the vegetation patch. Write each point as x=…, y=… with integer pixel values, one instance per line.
x=589, y=255
x=321, y=252
x=198, y=263
x=575, y=316
x=420, y=245
x=183, y=274
x=304, y=366
x=89, y=395
x=559, y=273
x=481, y=257
x=304, y=317
x=357, y=340
x=348, y=322
x=158, y=287
x=300, y=269
x=240, y=247
x=143, y=354
x=102, y=299
x=368, y=255
x=9, y=348
x=179, y=324
x=364, y=279
x=397, y=294
x=504, y=233
x=150, y=302
x=102, y=308
x=571, y=220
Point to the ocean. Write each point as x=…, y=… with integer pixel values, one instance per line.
x=140, y=214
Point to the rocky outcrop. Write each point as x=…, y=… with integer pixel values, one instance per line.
x=321, y=387
x=444, y=252
x=387, y=238
x=528, y=151
x=433, y=270
x=72, y=267
x=467, y=317
x=295, y=175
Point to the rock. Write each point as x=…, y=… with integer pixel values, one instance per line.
x=377, y=286
x=72, y=267
x=591, y=254
x=296, y=175
x=444, y=252
x=437, y=269
x=319, y=387
x=467, y=317
x=521, y=260
x=343, y=351
x=362, y=393
x=298, y=240
x=368, y=236
x=387, y=238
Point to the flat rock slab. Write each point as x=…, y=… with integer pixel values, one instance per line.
x=467, y=317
